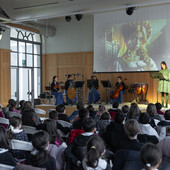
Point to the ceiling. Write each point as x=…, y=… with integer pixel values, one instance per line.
x=32, y=10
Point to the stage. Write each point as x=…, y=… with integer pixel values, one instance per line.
x=70, y=109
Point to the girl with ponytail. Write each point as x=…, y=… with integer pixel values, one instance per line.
x=39, y=156
x=95, y=151
x=151, y=156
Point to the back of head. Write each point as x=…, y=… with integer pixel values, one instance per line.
x=89, y=124
x=3, y=138
x=21, y=103
x=27, y=105
x=119, y=117
x=151, y=109
x=13, y=104
x=115, y=104
x=95, y=148
x=15, y=121
x=80, y=105
x=27, y=117
x=40, y=141
x=167, y=115
x=158, y=106
x=90, y=107
x=105, y=116
x=102, y=108
x=150, y=156
x=133, y=112
x=53, y=114
x=50, y=127
x=10, y=101
x=144, y=118
x=125, y=109
x=131, y=127
x=83, y=113
x=60, y=108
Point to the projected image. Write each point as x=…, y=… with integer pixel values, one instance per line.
x=131, y=47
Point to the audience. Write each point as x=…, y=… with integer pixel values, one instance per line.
x=17, y=133
x=125, y=110
x=113, y=111
x=151, y=156
x=92, y=112
x=134, y=112
x=76, y=151
x=100, y=111
x=28, y=118
x=75, y=114
x=5, y=156
x=158, y=108
x=13, y=106
x=39, y=156
x=131, y=142
x=94, y=156
x=61, y=109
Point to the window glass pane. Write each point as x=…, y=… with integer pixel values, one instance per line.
x=36, y=61
x=37, y=38
x=13, y=83
x=29, y=48
x=29, y=60
x=13, y=45
x=14, y=59
x=37, y=82
x=22, y=60
x=36, y=49
x=14, y=33
x=30, y=37
x=20, y=36
x=21, y=47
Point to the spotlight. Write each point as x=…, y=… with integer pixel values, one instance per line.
x=79, y=17
x=68, y=18
x=129, y=11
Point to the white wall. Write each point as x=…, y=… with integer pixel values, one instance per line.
x=5, y=41
x=70, y=36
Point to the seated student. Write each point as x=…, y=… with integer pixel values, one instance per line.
x=125, y=111
x=39, y=156
x=103, y=123
x=158, y=108
x=61, y=109
x=114, y=110
x=75, y=114
x=152, y=112
x=115, y=132
x=13, y=106
x=51, y=128
x=54, y=115
x=21, y=104
x=134, y=112
x=3, y=116
x=83, y=114
x=5, y=156
x=164, y=125
x=151, y=156
x=145, y=127
x=100, y=111
x=17, y=133
x=94, y=156
x=28, y=106
x=76, y=151
x=92, y=112
x=131, y=142
x=28, y=118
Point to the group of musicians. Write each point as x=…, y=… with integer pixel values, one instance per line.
x=93, y=96
x=116, y=94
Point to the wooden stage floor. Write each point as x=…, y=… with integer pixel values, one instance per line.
x=70, y=109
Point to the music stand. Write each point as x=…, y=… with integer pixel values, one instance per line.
x=106, y=84
x=158, y=76
x=79, y=85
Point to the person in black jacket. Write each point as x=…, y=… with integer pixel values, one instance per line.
x=76, y=151
x=61, y=109
x=131, y=142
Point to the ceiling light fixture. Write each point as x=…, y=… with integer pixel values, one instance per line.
x=129, y=11
x=68, y=18
x=1, y=30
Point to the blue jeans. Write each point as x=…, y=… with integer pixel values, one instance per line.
x=94, y=95
x=119, y=99
x=59, y=99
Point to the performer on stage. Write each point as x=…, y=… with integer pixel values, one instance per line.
x=94, y=95
x=117, y=94
x=55, y=91
x=70, y=84
x=164, y=85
